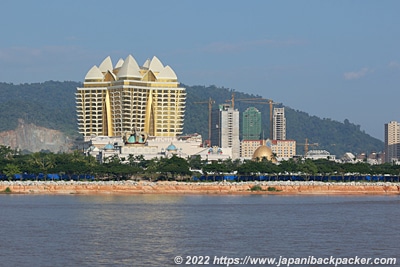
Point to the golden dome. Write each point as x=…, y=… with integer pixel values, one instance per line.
x=263, y=152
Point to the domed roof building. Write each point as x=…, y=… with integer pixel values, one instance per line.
x=172, y=149
x=263, y=151
x=109, y=147
x=131, y=139
x=135, y=138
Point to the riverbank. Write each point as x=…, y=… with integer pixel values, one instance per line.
x=143, y=187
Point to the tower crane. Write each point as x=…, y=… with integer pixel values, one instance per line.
x=306, y=145
x=232, y=100
x=210, y=102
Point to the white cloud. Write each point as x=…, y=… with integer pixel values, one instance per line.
x=354, y=75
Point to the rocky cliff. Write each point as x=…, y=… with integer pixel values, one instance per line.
x=28, y=136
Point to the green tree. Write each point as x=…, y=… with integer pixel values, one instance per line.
x=42, y=161
x=289, y=166
x=231, y=165
x=216, y=167
x=195, y=162
x=308, y=168
x=6, y=152
x=249, y=167
x=174, y=166
x=10, y=170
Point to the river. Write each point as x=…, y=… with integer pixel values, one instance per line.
x=151, y=230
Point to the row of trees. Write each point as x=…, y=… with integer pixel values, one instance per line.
x=76, y=163
x=135, y=167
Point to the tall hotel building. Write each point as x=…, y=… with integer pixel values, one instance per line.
x=225, y=129
x=392, y=141
x=251, y=132
x=251, y=124
x=279, y=124
x=117, y=99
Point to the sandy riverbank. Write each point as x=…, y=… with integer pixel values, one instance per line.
x=132, y=187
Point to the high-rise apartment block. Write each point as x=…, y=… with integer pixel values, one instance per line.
x=117, y=99
x=225, y=129
x=279, y=124
x=392, y=141
x=251, y=127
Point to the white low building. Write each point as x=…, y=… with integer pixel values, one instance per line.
x=320, y=154
x=348, y=158
x=103, y=147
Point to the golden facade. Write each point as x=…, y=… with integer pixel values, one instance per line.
x=282, y=149
x=247, y=147
x=116, y=100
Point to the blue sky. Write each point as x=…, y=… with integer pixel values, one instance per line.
x=331, y=59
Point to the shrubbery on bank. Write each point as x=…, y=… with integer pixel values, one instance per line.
x=76, y=166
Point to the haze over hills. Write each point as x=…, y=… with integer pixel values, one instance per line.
x=51, y=105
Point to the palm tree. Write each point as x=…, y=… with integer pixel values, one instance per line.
x=6, y=152
x=41, y=161
x=10, y=170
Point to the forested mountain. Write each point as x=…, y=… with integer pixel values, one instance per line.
x=52, y=105
x=49, y=104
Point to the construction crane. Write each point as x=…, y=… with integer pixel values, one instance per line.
x=258, y=100
x=232, y=100
x=210, y=102
x=306, y=145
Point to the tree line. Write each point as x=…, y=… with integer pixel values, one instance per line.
x=172, y=168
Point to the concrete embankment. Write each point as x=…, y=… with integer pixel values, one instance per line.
x=132, y=187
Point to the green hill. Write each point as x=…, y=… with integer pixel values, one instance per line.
x=49, y=104
x=52, y=105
